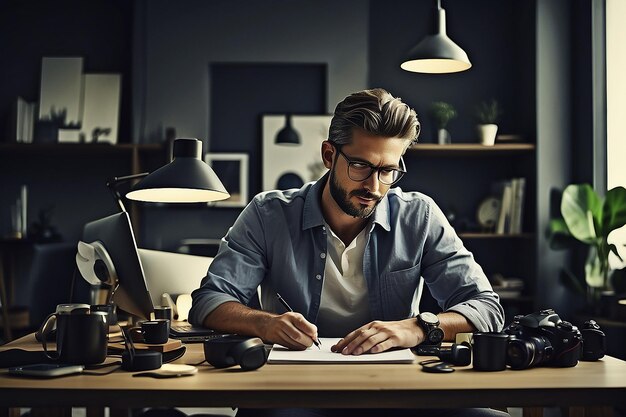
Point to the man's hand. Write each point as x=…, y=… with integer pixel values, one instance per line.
x=291, y=330
x=379, y=336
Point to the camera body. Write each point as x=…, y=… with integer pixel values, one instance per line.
x=543, y=339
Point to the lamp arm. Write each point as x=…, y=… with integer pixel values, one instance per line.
x=112, y=184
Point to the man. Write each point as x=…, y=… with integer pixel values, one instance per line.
x=347, y=252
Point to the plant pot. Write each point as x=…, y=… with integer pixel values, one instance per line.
x=487, y=134
x=443, y=137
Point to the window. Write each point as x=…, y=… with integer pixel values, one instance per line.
x=615, y=93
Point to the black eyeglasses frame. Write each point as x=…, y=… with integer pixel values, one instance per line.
x=400, y=171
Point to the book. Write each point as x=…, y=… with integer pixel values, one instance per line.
x=282, y=355
x=504, y=219
x=511, y=194
x=519, y=184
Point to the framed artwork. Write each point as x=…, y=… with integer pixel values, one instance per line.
x=292, y=166
x=61, y=89
x=101, y=108
x=232, y=170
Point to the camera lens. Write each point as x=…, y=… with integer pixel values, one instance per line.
x=526, y=353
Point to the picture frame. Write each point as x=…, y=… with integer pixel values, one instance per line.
x=232, y=170
x=293, y=166
x=61, y=90
x=101, y=107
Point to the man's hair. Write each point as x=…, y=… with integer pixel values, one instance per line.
x=375, y=111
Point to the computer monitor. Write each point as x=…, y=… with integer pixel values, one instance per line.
x=116, y=235
x=172, y=273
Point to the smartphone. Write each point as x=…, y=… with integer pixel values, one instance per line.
x=46, y=370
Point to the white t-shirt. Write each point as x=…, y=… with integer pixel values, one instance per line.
x=344, y=305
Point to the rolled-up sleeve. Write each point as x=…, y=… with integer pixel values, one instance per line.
x=454, y=278
x=238, y=268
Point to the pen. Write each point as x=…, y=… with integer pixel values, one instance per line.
x=284, y=303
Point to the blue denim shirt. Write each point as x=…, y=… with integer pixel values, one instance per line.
x=279, y=243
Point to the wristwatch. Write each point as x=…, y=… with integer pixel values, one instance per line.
x=429, y=322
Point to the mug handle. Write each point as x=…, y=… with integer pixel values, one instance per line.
x=136, y=334
x=43, y=332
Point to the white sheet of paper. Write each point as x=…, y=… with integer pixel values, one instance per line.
x=281, y=354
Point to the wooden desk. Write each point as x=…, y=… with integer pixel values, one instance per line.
x=596, y=384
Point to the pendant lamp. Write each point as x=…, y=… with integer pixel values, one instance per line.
x=437, y=54
x=287, y=135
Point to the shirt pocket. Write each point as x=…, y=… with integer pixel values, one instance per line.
x=398, y=290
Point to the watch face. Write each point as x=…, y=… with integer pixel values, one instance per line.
x=435, y=336
x=429, y=318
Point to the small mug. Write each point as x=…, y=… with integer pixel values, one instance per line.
x=489, y=351
x=163, y=312
x=154, y=332
x=109, y=309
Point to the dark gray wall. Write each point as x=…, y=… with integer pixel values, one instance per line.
x=181, y=39
x=71, y=184
x=98, y=30
x=498, y=37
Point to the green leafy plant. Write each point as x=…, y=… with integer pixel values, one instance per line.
x=442, y=112
x=589, y=219
x=488, y=112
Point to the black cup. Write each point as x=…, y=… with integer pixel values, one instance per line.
x=163, y=312
x=489, y=351
x=81, y=338
x=109, y=309
x=155, y=331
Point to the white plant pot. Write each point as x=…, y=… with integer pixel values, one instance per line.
x=487, y=134
x=443, y=137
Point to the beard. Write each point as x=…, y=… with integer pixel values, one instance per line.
x=342, y=198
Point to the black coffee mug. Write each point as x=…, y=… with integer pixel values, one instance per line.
x=109, y=309
x=163, y=312
x=81, y=336
x=489, y=351
x=154, y=332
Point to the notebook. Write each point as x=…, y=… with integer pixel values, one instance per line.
x=281, y=354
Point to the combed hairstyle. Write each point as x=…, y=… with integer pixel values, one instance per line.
x=375, y=111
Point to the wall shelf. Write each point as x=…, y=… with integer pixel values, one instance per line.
x=470, y=149
x=458, y=177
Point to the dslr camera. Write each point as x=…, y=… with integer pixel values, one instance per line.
x=542, y=339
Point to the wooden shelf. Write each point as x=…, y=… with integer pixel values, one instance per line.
x=467, y=149
x=496, y=236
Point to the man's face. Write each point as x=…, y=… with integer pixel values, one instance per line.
x=360, y=198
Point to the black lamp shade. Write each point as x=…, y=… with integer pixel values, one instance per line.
x=187, y=179
x=287, y=135
x=437, y=54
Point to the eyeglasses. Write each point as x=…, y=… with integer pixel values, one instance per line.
x=361, y=170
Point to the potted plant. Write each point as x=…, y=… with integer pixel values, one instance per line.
x=589, y=219
x=487, y=114
x=442, y=112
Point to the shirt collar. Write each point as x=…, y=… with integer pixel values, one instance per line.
x=312, y=214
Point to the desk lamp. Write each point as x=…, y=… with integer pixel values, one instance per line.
x=186, y=179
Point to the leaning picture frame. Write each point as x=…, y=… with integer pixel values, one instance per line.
x=232, y=170
x=287, y=167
